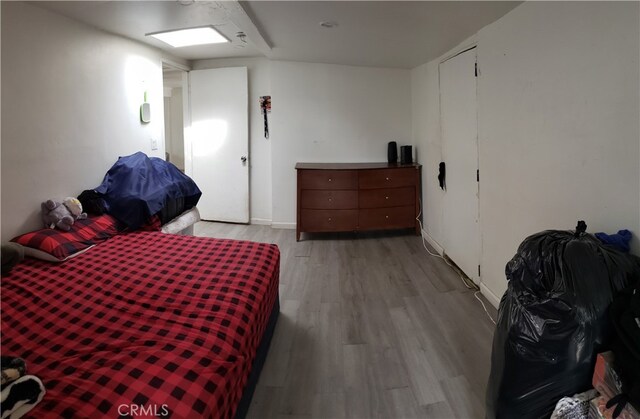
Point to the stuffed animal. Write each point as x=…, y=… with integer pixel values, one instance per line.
x=12, y=369
x=62, y=214
x=75, y=208
x=20, y=392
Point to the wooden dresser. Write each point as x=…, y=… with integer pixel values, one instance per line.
x=357, y=197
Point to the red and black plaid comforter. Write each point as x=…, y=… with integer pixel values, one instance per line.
x=145, y=324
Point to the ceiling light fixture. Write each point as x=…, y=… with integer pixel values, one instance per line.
x=188, y=37
x=328, y=24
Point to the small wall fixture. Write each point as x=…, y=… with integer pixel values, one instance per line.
x=145, y=111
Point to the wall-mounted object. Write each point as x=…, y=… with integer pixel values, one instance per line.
x=442, y=176
x=145, y=110
x=265, y=108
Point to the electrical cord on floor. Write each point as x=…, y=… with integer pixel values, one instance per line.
x=475, y=294
x=467, y=284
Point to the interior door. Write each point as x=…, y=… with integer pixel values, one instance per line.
x=219, y=142
x=458, y=118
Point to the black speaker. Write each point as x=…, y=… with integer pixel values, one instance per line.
x=406, y=155
x=392, y=152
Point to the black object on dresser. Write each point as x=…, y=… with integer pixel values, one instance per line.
x=392, y=152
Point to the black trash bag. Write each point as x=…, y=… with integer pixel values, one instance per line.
x=552, y=320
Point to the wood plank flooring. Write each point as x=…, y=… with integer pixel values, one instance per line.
x=371, y=326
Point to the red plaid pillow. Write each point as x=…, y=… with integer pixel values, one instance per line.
x=153, y=224
x=57, y=245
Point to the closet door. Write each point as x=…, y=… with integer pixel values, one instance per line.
x=458, y=113
x=219, y=142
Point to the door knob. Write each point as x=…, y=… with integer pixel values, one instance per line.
x=243, y=159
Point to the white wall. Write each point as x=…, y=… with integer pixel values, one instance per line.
x=558, y=124
x=559, y=139
x=70, y=107
x=332, y=113
x=425, y=102
x=259, y=147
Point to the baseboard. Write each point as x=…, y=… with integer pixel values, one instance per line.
x=493, y=299
x=436, y=246
x=287, y=226
x=261, y=221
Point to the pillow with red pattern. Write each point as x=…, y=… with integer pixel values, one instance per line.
x=153, y=224
x=57, y=246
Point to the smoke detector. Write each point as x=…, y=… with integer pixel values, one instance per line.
x=328, y=24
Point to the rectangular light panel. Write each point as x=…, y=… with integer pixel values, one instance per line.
x=189, y=37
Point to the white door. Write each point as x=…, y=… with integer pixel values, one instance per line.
x=458, y=118
x=219, y=142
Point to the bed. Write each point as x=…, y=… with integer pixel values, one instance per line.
x=145, y=324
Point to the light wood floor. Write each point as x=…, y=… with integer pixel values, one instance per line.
x=371, y=326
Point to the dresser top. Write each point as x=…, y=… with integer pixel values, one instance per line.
x=352, y=166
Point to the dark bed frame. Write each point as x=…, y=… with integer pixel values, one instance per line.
x=258, y=362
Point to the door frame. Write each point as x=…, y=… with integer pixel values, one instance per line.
x=188, y=112
x=184, y=70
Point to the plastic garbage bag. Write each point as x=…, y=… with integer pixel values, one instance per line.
x=552, y=320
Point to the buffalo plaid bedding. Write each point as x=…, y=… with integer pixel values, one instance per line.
x=62, y=244
x=145, y=324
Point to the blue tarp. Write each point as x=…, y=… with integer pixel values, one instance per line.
x=137, y=187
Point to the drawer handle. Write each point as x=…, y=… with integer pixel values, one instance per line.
x=329, y=219
x=330, y=179
x=388, y=178
x=386, y=197
x=386, y=216
x=330, y=199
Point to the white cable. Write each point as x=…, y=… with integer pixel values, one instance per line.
x=475, y=294
x=464, y=281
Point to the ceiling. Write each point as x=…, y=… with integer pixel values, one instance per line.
x=399, y=34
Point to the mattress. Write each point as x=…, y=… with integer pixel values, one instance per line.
x=183, y=222
x=162, y=324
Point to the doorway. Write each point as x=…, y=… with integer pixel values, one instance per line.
x=459, y=125
x=172, y=79
x=218, y=142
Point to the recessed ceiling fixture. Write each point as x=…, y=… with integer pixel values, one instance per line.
x=328, y=24
x=188, y=37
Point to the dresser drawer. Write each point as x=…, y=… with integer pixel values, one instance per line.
x=387, y=178
x=314, y=220
x=328, y=179
x=383, y=218
x=325, y=199
x=389, y=197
